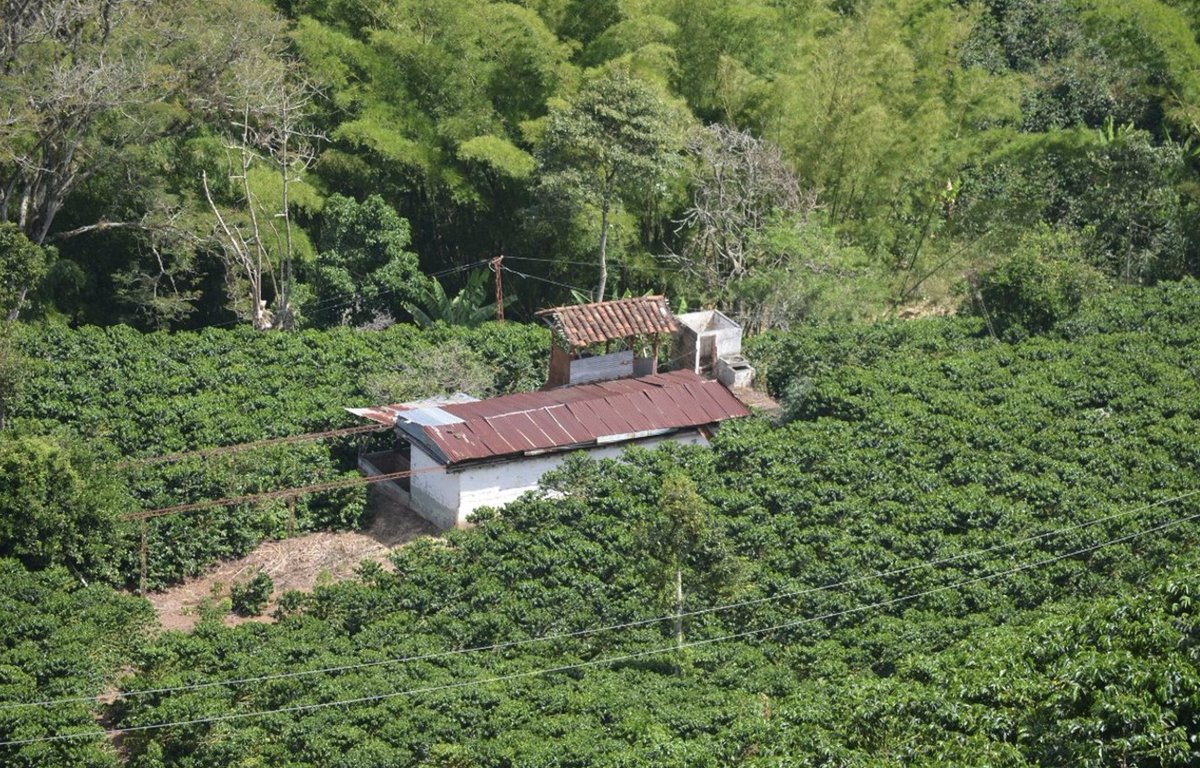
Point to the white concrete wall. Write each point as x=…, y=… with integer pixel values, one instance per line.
x=729, y=341
x=495, y=485
x=433, y=490
x=388, y=489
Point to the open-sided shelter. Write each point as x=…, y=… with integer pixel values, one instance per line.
x=584, y=334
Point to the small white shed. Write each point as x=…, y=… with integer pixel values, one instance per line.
x=710, y=343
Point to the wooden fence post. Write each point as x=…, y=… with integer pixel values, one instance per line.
x=144, y=556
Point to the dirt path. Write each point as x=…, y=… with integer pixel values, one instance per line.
x=297, y=563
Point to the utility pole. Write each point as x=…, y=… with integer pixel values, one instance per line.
x=973, y=281
x=678, y=607
x=499, y=288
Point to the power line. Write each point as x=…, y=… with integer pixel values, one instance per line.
x=340, y=302
x=452, y=270
x=545, y=280
x=598, y=630
x=556, y=261
x=333, y=303
x=238, y=447
x=604, y=661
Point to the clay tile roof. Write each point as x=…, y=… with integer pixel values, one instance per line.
x=585, y=324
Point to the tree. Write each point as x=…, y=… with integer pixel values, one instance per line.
x=1115, y=186
x=881, y=122
x=469, y=307
x=268, y=158
x=22, y=264
x=363, y=268
x=742, y=186
x=1043, y=282
x=63, y=73
x=681, y=537
x=81, y=80
x=724, y=47
x=57, y=507
x=613, y=145
x=431, y=101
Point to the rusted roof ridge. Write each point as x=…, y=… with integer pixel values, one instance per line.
x=596, y=422
x=490, y=439
x=718, y=401
x=513, y=435
x=665, y=406
x=708, y=405
x=575, y=428
x=639, y=411
x=592, y=421
x=641, y=404
x=529, y=428
x=521, y=412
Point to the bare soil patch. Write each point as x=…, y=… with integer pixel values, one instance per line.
x=297, y=563
x=926, y=308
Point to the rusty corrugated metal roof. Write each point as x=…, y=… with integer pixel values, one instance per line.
x=585, y=324
x=584, y=415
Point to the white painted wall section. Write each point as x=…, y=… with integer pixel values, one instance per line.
x=433, y=490
x=495, y=485
x=729, y=341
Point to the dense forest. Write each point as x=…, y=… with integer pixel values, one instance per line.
x=184, y=164
x=963, y=239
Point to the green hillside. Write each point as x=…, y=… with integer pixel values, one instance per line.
x=962, y=238
x=952, y=550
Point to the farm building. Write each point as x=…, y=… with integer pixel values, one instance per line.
x=466, y=453
x=602, y=395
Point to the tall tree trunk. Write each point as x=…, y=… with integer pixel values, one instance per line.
x=603, y=251
x=678, y=608
x=285, y=300
x=15, y=312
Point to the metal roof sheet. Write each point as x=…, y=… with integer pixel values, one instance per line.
x=430, y=416
x=432, y=407
x=586, y=414
x=585, y=324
